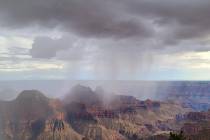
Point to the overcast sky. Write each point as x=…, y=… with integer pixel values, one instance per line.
x=105, y=39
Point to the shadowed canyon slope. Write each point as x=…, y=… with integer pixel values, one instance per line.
x=85, y=114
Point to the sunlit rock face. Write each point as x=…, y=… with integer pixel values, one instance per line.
x=83, y=115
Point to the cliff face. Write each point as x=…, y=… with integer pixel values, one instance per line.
x=21, y=115
x=58, y=130
x=124, y=116
x=197, y=125
x=83, y=115
x=194, y=95
x=33, y=116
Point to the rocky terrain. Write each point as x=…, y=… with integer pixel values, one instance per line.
x=194, y=125
x=194, y=95
x=85, y=114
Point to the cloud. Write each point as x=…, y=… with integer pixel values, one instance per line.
x=165, y=23
x=186, y=19
x=45, y=47
x=107, y=38
x=90, y=18
x=179, y=19
x=108, y=58
x=29, y=65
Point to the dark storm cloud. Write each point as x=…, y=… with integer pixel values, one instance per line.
x=185, y=18
x=74, y=48
x=146, y=24
x=84, y=17
x=45, y=47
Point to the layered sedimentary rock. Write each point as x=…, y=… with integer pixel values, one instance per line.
x=84, y=114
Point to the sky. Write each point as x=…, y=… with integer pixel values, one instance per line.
x=104, y=39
